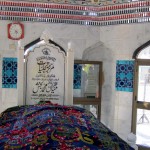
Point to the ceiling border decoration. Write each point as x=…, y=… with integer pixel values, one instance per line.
x=83, y=2
x=125, y=13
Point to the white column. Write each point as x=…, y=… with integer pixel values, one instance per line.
x=20, y=74
x=69, y=76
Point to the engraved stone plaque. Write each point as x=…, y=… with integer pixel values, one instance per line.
x=45, y=74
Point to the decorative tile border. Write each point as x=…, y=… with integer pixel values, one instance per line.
x=124, y=75
x=77, y=76
x=74, y=7
x=134, y=12
x=83, y=2
x=9, y=78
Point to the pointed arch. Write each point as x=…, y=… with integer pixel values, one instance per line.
x=141, y=103
x=38, y=40
x=139, y=49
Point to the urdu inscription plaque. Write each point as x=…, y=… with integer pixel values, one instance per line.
x=45, y=74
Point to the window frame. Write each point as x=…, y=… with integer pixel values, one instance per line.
x=91, y=101
x=138, y=104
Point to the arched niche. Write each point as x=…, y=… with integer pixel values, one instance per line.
x=45, y=70
x=100, y=52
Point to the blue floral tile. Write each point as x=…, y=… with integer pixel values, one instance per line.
x=124, y=75
x=77, y=76
x=9, y=73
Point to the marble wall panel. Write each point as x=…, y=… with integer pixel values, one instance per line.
x=124, y=39
x=116, y=32
x=9, y=95
x=124, y=128
x=107, y=44
x=125, y=113
x=125, y=99
x=108, y=111
x=77, y=45
x=7, y=105
x=110, y=123
x=62, y=33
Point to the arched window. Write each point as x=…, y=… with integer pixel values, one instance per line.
x=143, y=52
x=141, y=95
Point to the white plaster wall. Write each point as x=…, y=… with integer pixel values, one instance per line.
x=7, y=96
x=106, y=44
x=80, y=37
x=122, y=40
x=117, y=43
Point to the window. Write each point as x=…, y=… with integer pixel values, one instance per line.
x=87, y=85
x=141, y=102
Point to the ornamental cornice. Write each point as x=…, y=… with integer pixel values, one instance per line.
x=124, y=13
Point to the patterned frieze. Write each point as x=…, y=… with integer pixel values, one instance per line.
x=83, y=2
x=75, y=7
x=135, y=12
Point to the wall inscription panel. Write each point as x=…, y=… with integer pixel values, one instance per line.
x=45, y=69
